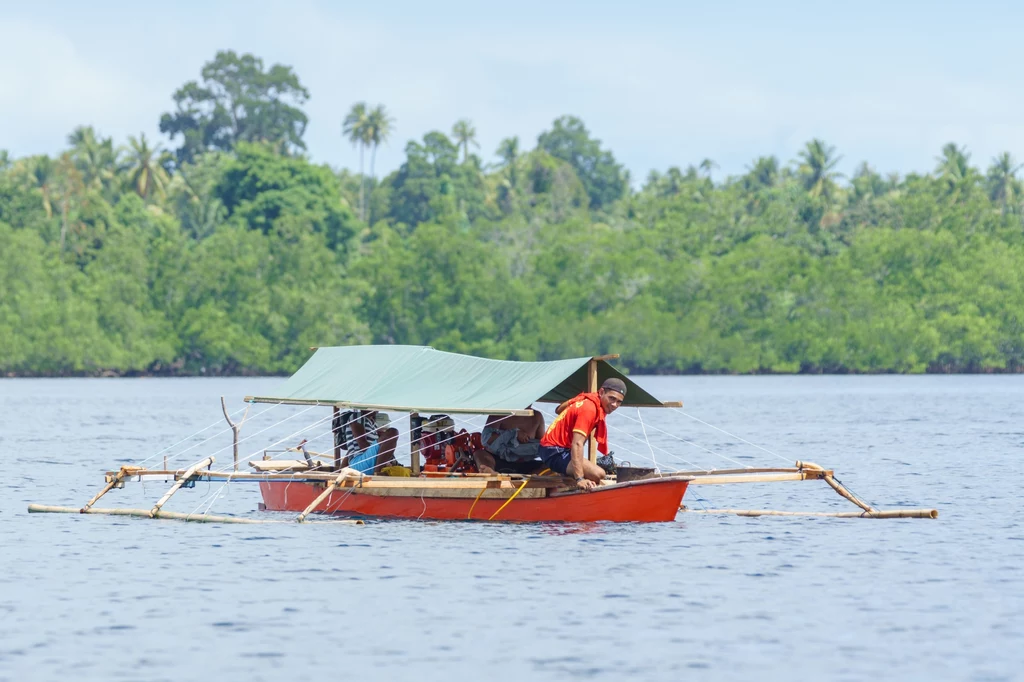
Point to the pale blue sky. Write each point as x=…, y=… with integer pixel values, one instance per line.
x=660, y=83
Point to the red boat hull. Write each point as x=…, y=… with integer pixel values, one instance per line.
x=635, y=501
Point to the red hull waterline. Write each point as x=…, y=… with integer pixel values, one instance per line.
x=635, y=501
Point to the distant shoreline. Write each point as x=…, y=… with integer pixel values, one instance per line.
x=108, y=374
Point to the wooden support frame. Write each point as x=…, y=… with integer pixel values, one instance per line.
x=180, y=482
x=334, y=485
x=112, y=482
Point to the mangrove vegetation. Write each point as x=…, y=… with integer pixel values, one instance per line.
x=221, y=248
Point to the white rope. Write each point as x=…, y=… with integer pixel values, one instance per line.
x=226, y=447
x=171, y=447
x=670, y=454
x=640, y=417
x=642, y=456
x=700, y=447
x=732, y=435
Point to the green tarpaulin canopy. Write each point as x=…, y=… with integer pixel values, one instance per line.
x=421, y=379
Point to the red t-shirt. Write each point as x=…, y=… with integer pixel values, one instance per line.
x=581, y=416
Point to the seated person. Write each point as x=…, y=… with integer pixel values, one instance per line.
x=369, y=440
x=510, y=444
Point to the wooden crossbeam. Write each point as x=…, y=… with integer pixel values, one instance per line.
x=180, y=482
x=334, y=485
x=112, y=482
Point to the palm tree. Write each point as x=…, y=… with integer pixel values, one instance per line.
x=508, y=151
x=68, y=183
x=706, y=166
x=955, y=171
x=764, y=173
x=465, y=135
x=94, y=157
x=867, y=183
x=379, y=126
x=674, y=180
x=354, y=128
x=817, y=169
x=42, y=173
x=145, y=167
x=1002, y=180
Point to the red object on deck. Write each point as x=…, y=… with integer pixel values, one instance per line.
x=636, y=501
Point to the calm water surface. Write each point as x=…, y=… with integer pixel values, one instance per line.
x=703, y=598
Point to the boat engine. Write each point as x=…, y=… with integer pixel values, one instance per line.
x=444, y=450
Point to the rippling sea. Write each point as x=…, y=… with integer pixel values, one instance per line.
x=704, y=598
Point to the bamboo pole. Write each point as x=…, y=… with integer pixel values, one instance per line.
x=235, y=428
x=841, y=489
x=415, y=433
x=462, y=480
x=176, y=516
x=180, y=482
x=334, y=485
x=751, y=478
x=392, y=408
x=874, y=514
x=111, y=483
x=335, y=422
x=592, y=388
x=745, y=470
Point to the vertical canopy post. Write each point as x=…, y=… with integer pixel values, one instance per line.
x=592, y=388
x=414, y=442
x=334, y=432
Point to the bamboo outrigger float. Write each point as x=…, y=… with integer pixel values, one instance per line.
x=417, y=380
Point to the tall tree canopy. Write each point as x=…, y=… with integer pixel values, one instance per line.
x=242, y=254
x=238, y=101
x=268, y=192
x=602, y=177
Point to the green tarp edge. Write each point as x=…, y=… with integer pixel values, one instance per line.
x=420, y=378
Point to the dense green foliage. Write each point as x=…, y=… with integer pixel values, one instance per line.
x=235, y=254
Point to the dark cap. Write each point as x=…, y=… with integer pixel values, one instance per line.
x=614, y=384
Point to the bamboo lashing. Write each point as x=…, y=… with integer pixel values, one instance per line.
x=177, y=516
x=180, y=482
x=114, y=481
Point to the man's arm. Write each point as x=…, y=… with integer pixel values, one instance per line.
x=538, y=423
x=576, y=461
x=359, y=433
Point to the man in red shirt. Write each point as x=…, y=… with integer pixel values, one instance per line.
x=561, y=448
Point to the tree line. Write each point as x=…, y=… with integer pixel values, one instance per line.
x=224, y=250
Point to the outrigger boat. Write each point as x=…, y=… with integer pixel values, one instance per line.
x=421, y=381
